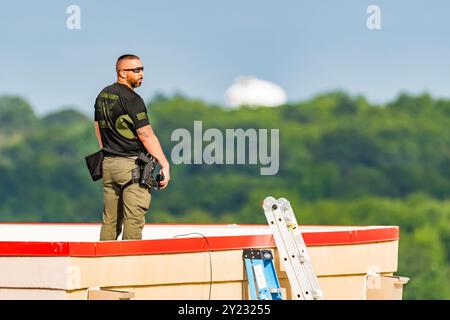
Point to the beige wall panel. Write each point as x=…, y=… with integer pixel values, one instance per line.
x=158, y=269
x=200, y=291
x=350, y=259
x=31, y=294
x=36, y=272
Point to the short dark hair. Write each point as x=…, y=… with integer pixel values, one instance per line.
x=127, y=56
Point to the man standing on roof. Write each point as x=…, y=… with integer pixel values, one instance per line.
x=123, y=130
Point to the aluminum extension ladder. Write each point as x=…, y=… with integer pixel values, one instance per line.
x=292, y=249
x=261, y=271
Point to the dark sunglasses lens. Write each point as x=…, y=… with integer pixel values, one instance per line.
x=137, y=70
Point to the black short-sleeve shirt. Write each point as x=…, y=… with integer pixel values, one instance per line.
x=119, y=112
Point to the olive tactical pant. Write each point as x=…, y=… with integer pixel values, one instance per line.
x=128, y=206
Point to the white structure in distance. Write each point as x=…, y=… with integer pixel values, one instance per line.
x=251, y=91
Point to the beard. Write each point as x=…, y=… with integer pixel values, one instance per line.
x=136, y=83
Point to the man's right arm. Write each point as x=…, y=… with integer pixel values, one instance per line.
x=151, y=143
x=99, y=137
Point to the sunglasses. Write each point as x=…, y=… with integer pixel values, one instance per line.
x=135, y=70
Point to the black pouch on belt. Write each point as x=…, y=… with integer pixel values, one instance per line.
x=94, y=164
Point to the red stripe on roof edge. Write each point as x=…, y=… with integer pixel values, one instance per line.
x=197, y=244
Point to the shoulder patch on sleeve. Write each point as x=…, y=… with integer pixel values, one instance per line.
x=141, y=116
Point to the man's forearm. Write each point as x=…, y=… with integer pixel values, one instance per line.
x=154, y=148
x=151, y=143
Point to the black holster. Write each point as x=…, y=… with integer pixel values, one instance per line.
x=147, y=164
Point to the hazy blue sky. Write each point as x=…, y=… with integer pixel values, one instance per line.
x=198, y=47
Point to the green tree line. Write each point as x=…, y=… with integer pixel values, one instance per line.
x=343, y=161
